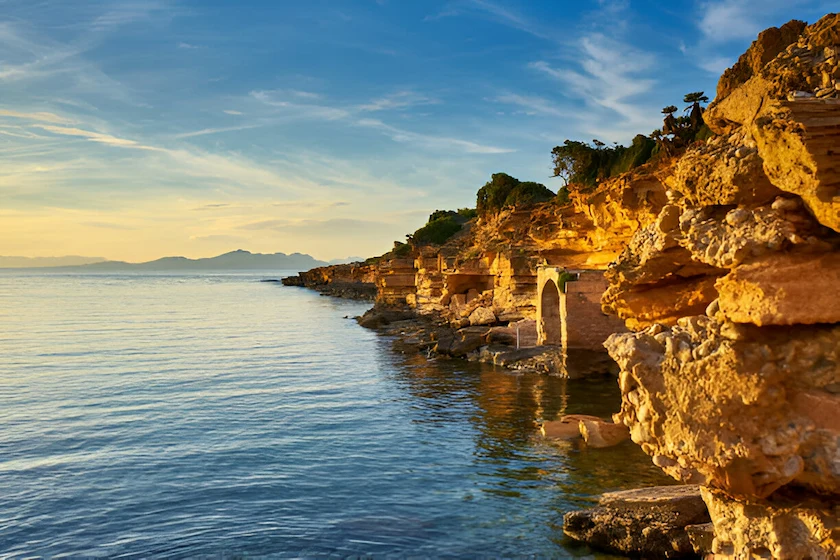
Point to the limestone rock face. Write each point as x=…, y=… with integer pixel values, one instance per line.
x=721, y=171
x=784, y=527
x=648, y=522
x=789, y=109
x=769, y=44
x=732, y=378
x=792, y=289
x=714, y=403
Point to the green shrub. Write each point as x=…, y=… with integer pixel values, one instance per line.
x=563, y=196
x=582, y=164
x=436, y=232
x=468, y=213
x=503, y=190
x=401, y=250
x=704, y=133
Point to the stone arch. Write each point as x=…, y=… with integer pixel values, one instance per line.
x=550, y=327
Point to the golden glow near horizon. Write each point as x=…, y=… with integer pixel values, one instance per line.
x=192, y=229
x=136, y=129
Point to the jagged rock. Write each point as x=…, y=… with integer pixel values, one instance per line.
x=662, y=303
x=708, y=174
x=724, y=237
x=482, y=316
x=648, y=522
x=765, y=48
x=736, y=407
x=598, y=434
x=790, y=525
x=501, y=335
x=796, y=138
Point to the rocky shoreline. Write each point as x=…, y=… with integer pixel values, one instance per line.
x=710, y=274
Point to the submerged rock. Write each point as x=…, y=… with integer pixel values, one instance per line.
x=648, y=522
x=597, y=433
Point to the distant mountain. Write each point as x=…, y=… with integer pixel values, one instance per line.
x=43, y=262
x=235, y=260
x=347, y=260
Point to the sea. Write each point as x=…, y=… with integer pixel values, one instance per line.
x=227, y=416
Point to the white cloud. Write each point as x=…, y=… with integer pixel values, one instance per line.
x=497, y=13
x=36, y=116
x=398, y=100
x=92, y=136
x=612, y=76
x=431, y=142
x=277, y=100
x=207, y=131
x=535, y=105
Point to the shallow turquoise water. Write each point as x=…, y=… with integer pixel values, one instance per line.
x=154, y=416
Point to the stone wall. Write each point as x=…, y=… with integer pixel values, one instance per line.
x=573, y=318
x=585, y=325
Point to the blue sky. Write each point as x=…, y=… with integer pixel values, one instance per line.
x=142, y=128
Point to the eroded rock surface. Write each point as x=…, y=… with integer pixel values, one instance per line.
x=732, y=378
x=649, y=522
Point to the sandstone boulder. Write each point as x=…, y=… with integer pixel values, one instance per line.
x=567, y=427
x=482, y=316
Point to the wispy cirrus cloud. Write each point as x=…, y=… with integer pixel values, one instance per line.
x=39, y=116
x=535, y=105
x=351, y=114
x=399, y=100
x=93, y=136
x=496, y=12
x=279, y=99
x=611, y=72
x=440, y=143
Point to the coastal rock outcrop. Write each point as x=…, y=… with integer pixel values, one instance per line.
x=731, y=379
x=648, y=522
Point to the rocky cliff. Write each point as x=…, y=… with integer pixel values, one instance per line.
x=731, y=378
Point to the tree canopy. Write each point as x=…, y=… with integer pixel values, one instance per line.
x=582, y=164
x=503, y=190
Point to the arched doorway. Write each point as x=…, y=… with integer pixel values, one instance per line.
x=550, y=314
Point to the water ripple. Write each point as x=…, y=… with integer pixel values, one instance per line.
x=216, y=416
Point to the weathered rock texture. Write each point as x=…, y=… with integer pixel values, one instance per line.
x=352, y=281
x=483, y=282
x=731, y=379
x=649, y=522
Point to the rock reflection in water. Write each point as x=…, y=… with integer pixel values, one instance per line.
x=510, y=456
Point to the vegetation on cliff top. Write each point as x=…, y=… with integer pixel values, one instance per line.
x=503, y=190
x=582, y=165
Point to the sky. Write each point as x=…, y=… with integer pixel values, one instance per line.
x=136, y=129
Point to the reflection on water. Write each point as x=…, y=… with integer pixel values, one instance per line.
x=503, y=408
x=177, y=416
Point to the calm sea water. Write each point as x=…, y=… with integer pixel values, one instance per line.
x=155, y=416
